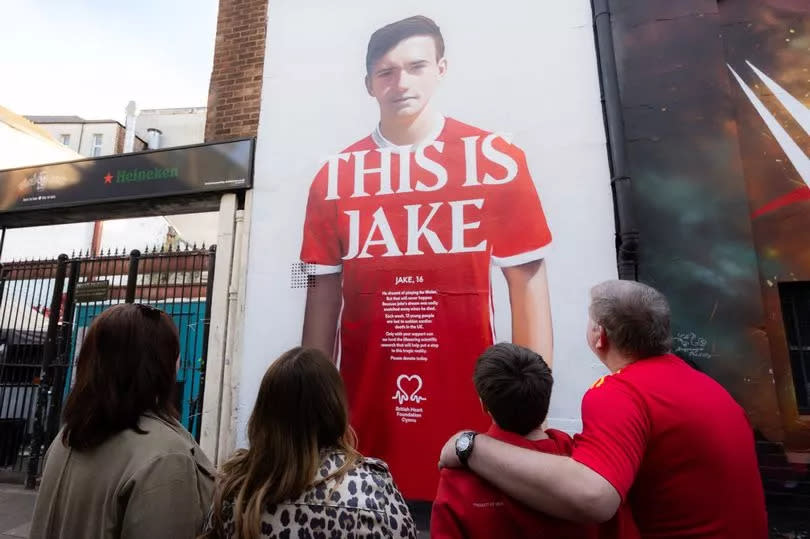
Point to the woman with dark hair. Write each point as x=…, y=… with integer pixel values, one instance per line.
x=302, y=476
x=122, y=465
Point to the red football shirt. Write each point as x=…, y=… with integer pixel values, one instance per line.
x=675, y=445
x=466, y=506
x=414, y=232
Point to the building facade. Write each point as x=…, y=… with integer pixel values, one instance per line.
x=90, y=138
x=167, y=128
x=712, y=121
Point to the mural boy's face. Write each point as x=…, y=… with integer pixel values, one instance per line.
x=404, y=80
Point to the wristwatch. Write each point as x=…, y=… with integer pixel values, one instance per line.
x=464, y=446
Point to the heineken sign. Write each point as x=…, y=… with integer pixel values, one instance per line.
x=188, y=170
x=144, y=175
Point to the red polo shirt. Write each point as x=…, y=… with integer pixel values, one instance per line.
x=467, y=506
x=678, y=448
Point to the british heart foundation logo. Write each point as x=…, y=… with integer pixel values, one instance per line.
x=408, y=388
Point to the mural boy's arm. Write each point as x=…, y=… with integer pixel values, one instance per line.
x=324, y=299
x=531, y=310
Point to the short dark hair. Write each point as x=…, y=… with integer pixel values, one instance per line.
x=514, y=383
x=635, y=317
x=126, y=367
x=386, y=38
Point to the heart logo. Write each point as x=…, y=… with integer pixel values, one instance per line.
x=408, y=387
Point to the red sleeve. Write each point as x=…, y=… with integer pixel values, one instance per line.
x=444, y=521
x=321, y=244
x=518, y=230
x=615, y=429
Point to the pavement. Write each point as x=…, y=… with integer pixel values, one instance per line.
x=16, y=509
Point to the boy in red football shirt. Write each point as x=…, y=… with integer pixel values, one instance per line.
x=401, y=231
x=514, y=385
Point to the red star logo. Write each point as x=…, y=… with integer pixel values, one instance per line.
x=108, y=178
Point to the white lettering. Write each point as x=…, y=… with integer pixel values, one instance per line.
x=381, y=224
x=470, y=161
x=431, y=166
x=380, y=232
x=459, y=226
x=499, y=158
x=404, y=171
x=415, y=231
x=332, y=175
x=360, y=173
x=354, y=233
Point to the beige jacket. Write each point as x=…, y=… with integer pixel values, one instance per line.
x=133, y=485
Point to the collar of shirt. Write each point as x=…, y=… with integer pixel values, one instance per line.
x=512, y=438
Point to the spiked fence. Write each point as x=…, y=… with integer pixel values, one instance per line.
x=46, y=307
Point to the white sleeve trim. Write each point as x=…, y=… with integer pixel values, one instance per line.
x=522, y=258
x=320, y=269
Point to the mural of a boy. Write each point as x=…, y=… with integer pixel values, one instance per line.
x=401, y=230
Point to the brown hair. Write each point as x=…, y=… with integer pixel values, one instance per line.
x=126, y=367
x=514, y=384
x=386, y=38
x=635, y=317
x=301, y=409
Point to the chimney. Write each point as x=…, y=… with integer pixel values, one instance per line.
x=153, y=138
x=129, y=133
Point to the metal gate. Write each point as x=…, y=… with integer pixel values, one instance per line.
x=46, y=307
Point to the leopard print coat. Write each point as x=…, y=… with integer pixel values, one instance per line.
x=365, y=503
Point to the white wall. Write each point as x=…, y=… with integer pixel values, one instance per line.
x=20, y=149
x=57, y=130
x=528, y=68
x=179, y=127
x=81, y=136
x=109, y=133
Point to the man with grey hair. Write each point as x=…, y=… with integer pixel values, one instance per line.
x=656, y=433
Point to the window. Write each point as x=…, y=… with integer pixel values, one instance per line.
x=98, y=138
x=64, y=139
x=795, y=298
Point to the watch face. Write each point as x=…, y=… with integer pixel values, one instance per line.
x=463, y=443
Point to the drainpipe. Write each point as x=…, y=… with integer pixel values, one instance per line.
x=627, y=235
x=95, y=242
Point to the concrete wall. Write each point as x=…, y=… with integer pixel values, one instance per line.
x=81, y=136
x=178, y=127
x=74, y=131
x=314, y=104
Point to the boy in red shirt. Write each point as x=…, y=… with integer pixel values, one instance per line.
x=514, y=385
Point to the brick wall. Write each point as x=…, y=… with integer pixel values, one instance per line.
x=236, y=80
x=119, y=140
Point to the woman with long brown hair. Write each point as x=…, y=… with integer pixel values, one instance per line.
x=301, y=473
x=122, y=465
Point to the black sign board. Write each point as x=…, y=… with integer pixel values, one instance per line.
x=92, y=291
x=188, y=170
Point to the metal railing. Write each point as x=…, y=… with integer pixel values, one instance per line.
x=46, y=307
